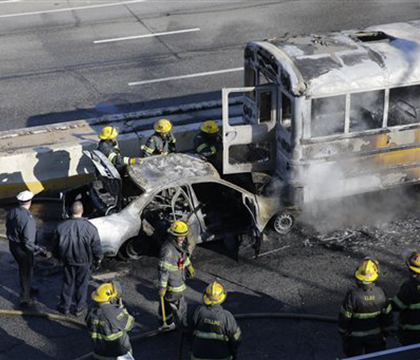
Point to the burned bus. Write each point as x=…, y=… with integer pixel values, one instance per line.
x=329, y=115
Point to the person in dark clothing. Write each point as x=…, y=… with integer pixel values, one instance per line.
x=162, y=142
x=174, y=260
x=216, y=334
x=407, y=303
x=208, y=142
x=108, y=146
x=21, y=233
x=108, y=322
x=366, y=313
x=78, y=246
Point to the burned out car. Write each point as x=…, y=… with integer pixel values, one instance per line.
x=133, y=212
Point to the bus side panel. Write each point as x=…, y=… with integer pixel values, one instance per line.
x=353, y=165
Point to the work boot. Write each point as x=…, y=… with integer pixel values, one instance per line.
x=77, y=312
x=26, y=302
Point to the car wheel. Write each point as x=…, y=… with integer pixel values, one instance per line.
x=134, y=249
x=283, y=223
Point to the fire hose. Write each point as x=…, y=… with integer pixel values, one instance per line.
x=153, y=333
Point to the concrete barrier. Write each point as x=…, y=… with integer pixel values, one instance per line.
x=50, y=158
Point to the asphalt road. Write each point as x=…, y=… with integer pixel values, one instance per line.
x=308, y=272
x=53, y=69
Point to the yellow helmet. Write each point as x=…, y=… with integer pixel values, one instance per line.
x=215, y=294
x=413, y=262
x=108, y=132
x=178, y=228
x=163, y=126
x=368, y=271
x=210, y=127
x=105, y=292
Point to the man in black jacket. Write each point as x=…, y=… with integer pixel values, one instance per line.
x=21, y=232
x=108, y=322
x=407, y=303
x=216, y=334
x=366, y=313
x=78, y=246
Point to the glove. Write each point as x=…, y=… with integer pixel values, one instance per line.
x=132, y=161
x=96, y=264
x=40, y=250
x=162, y=292
x=190, y=271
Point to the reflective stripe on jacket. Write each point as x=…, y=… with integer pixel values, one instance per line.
x=159, y=145
x=407, y=302
x=366, y=311
x=108, y=325
x=113, y=153
x=172, y=263
x=216, y=334
x=207, y=146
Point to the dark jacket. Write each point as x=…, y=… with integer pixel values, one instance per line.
x=216, y=334
x=113, y=153
x=108, y=325
x=407, y=302
x=366, y=311
x=21, y=228
x=78, y=242
x=173, y=260
x=208, y=145
x=159, y=145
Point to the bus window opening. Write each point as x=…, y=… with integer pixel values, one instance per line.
x=366, y=110
x=328, y=116
x=404, y=106
x=286, y=112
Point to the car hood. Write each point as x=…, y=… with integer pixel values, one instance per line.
x=157, y=171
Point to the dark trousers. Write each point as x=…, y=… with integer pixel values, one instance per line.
x=75, y=281
x=354, y=346
x=172, y=302
x=25, y=261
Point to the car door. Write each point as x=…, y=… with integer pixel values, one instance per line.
x=250, y=145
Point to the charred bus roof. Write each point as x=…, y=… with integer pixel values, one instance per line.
x=377, y=57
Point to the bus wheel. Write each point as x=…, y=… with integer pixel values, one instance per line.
x=283, y=223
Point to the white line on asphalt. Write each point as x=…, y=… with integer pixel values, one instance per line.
x=185, y=76
x=72, y=8
x=147, y=35
x=8, y=1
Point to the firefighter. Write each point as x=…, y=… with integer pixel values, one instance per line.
x=216, y=335
x=162, y=142
x=108, y=322
x=21, y=233
x=366, y=313
x=108, y=145
x=407, y=302
x=208, y=142
x=174, y=260
x=78, y=246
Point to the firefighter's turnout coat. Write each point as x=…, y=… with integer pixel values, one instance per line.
x=208, y=146
x=113, y=153
x=407, y=302
x=108, y=325
x=366, y=312
x=173, y=260
x=216, y=334
x=159, y=145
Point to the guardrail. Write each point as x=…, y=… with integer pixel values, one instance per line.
x=50, y=158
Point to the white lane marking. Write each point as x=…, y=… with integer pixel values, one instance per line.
x=185, y=76
x=8, y=1
x=145, y=36
x=72, y=8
